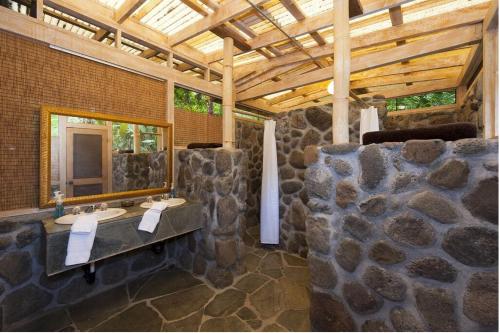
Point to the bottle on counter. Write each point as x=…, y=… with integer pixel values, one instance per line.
x=59, y=198
x=172, y=191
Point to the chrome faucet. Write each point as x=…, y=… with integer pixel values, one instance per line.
x=90, y=209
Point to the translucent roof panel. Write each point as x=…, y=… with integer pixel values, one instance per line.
x=439, y=9
x=314, y=7
x=171, y=16
x=112, y=3
x=70, y=23
x=207, y=42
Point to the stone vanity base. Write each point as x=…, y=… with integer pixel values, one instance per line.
x=404, y=237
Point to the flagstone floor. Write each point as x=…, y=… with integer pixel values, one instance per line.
x=273, y=295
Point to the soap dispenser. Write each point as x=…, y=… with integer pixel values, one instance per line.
x=172, y=191
x=59, y=198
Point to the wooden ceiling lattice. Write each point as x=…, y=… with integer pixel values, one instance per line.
x=399, y=47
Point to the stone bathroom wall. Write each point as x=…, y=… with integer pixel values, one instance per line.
x=139, y=171
x=419, y=120
x=218, y=179
x=404, y=236
x=295, y=130
x=27, y=293
x=249, y=138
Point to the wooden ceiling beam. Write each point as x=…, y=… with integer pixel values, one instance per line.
x=445, y=41
x=127, y=9
x=471, y=65
x=222, y=15
x=405, y=31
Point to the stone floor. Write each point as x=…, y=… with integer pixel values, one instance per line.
x=273, y=295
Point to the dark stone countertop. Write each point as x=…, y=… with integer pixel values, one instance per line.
x=119, y=235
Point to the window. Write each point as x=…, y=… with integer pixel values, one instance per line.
x=421, y=101
x=193, y=101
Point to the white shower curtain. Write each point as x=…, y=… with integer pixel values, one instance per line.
x=368, y=122
x=269, y=200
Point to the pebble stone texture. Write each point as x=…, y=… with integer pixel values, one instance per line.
x=249, y=138
x=218, y=179
x=420, y=120
x=273, y=295
x=139, y=171
x=407, y=240
x=295, y=130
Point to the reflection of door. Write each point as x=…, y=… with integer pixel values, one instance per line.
x=87, y=159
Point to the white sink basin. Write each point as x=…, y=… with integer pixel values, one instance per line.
x=172, y=202
x=100, y=214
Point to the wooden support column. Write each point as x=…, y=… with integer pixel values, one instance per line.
x=490, y=72
x=170, y=115
x=39, y=10
x=118, y=39
x=341, y=72
x=228, y=95
x=460, y=96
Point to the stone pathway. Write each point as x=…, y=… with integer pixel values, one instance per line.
x=273, y=295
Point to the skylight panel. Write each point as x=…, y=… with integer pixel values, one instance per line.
x=112, y=3
x=315, y=7
x=441, y=9
x=171, y=16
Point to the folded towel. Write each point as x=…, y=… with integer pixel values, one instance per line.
x=159, y=206
x=80, y=242
x=152, y=216
x=84, y=224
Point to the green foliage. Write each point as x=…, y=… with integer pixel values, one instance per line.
x=195, y=102
x=421, y=101
x=123, y=136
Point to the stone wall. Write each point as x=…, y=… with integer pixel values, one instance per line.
x=420, y=120
x=404, y=237
x=139, y=171
x=26, y=292
x=294, y=131
x=249, y=138
x=218, y=179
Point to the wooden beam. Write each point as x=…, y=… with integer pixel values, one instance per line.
x=294, y=9
x=410, y=30
x=432, y=109
x=127, y=9
x=474, y=60
x=118, y=39
x=341, y=72
x=34, y=29
x=417, y=88
x=442, y=42
x=39, y=9
x=355, y=8
x=490, y=73
x=227, y=95
x=223, y=14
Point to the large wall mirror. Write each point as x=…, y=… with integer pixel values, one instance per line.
x=91, y=156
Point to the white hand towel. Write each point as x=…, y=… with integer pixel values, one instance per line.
x=159, y=206
x=149, y=220
x=84, y=224
x=80, y=242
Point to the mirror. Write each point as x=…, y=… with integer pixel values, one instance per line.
x=90, y=156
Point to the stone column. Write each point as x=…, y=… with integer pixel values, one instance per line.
x=217, y=178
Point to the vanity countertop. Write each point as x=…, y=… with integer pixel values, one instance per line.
x=119, y=235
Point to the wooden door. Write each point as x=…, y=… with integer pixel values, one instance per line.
x=87, y=161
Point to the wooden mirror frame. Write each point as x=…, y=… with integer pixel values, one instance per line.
x=45, y=163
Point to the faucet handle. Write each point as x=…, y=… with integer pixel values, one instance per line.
x=76, y=210
x=103, y=206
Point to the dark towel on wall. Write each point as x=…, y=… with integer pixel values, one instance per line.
x=447, y=132
x=203, y=145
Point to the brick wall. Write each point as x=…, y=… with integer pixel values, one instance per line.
x=32, y=74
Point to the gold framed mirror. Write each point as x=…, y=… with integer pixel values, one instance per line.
x=90, y=156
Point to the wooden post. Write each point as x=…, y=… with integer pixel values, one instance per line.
x=206, y=74
x=118, y=39
x=170, y=107
x=341, y=72
x=490, y=72
x=39, y=10
x=228, y=94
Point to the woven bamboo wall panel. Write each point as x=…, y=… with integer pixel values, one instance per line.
x=32, y=74
x=192, y=127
